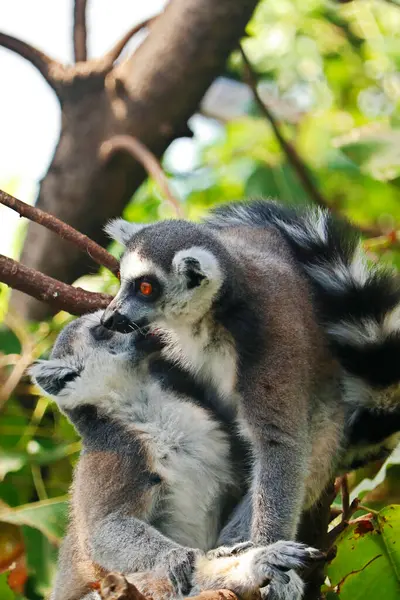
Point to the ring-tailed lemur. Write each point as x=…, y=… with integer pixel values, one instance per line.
x=359, y=307
x=253, y=301
x=161, y=466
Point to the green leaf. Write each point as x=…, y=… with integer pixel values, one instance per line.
x=10, y=463
x=362, y=151
x=276, y=182
x=9, y=343
x=389, y=522
x=41, y=558
x=48, y=516
x=5, y=592
x=367, y=564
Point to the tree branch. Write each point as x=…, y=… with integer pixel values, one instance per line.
x=300, y=168
x=144, y=157
x=150, y=95
x=56, y=294
x=114, y=586
x=292, y=156
x=344, y=485
x=79, y=31
x=116, y=50
x=96, y=252
x=44, y=64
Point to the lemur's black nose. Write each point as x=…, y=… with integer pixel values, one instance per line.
x=116, y=322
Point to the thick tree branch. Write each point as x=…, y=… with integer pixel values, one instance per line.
x=44, y=64
x=114, y=586
x=58, y=295
x=116, y=50
x=79, y=31
x=145, y=158
x=150, y=96
x=96, y=252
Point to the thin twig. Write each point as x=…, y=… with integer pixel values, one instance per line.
x=57, y=294
x=336, y=531
x=291, y=153
x=344, y=484
x=44, y=63
x=79, y=31
x=116, y=50
x=146, y=158
x=334, y=513
x=298, y=165
x=96, y=252
x=348, y=511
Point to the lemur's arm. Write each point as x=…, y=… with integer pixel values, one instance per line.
x=115, y=493
x=277, y=392
x=276, y=416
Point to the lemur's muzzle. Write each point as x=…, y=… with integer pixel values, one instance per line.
x=116, y=321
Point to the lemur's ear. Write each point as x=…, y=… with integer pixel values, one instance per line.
x=197, y=265
x=121, y=231
x=51, y=376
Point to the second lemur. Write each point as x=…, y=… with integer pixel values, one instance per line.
x=160, y=470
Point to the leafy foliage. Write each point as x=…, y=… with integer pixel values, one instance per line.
x=330, y=74
x=367, y=564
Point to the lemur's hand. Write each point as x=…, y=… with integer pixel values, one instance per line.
x=272, y=563
x=245, y=569
x=180, y=563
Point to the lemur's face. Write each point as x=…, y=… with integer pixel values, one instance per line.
x=169, y=273
x=84, y=358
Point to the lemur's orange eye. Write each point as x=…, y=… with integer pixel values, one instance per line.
x=146, y=288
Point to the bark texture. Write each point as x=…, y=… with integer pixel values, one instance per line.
x=151, y=95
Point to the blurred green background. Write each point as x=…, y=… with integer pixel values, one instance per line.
x=330, y=73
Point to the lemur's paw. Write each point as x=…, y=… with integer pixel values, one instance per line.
x=270, y=564
x=247, y=571
x=293, y=590
x=180, y=564
x=229, y=550
x=286, y=555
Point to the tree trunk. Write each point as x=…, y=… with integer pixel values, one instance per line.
x=150, y=96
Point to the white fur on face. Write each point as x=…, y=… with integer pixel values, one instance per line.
x=134, y=265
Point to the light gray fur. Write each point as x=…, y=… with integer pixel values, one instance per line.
x=120, y=520
x=121, y=230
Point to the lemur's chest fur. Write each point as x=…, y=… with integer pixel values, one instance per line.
x=190, y=452
x=205, y=350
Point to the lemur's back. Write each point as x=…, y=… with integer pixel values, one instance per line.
x=282, y=293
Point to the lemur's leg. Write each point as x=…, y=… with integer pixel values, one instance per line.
x=125, y=544
x=116, y=494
